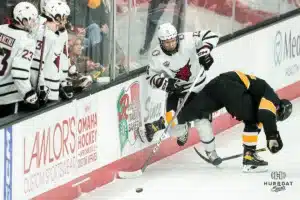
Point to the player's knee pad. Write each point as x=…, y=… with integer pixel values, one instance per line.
x=250, y=134
x=205, y=132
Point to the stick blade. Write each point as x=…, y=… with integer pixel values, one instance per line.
x=129, y=175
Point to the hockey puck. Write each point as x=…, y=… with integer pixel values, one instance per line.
x=138, y=190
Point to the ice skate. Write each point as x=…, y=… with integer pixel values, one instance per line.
x=213, y=157
x=252, y=162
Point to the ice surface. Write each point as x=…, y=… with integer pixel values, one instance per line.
x=186, y=176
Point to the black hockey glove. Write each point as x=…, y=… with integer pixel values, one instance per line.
x=205, y=59
x=66, y=91
x=170, y=85
x=274, y=142
x=31, y=100
x=152, y=128
x=43, y=94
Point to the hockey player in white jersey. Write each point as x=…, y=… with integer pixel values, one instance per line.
x=54, y=12
x=65, y=63
x=173, y=67
x=16, y=54
x=62, y=42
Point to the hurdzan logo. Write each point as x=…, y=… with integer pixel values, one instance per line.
x=8, y=163
x=279, y=181
x=129, y=114
x=287, y=51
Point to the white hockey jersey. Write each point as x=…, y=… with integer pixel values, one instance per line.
x=184, y=64
x=50, y=71
x=16, y=54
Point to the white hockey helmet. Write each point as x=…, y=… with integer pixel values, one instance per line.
x=168, y=32
x=26, y=15
x=43, y=4
x=56, y=10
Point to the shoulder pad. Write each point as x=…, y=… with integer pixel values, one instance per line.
x=155, y=52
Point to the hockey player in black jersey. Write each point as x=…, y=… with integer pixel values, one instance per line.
x=247, y=98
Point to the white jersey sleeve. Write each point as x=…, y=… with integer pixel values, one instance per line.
x=21, y=62
x=16, y=54
x=52, y=66
x=38, y=62
x=154, y=69
x=205, y=37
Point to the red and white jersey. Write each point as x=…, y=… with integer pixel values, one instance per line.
x=184, y=64
x=16, y=54
x=50, y=71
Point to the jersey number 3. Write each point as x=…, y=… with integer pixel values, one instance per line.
x=4, y=56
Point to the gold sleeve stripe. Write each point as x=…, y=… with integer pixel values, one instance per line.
x=267, y=105
x=243, y=78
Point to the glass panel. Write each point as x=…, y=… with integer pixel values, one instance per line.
x=137, y=38
x=288, y=5
x=251, y=12
x=215, y=15
x=89, y=43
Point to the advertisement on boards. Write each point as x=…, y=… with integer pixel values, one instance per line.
x=130, y=117
x=87, y=134
x=137, y=105
x=2, y=163
x=57, y=147
x=153, y=102
x=6, y=161
x=47, y=150
x=287, y=50
x=271, y=53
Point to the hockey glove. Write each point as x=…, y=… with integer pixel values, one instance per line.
x=66, y=91
x=43, y=94
x=205, y=59
x=31, y=100
x=170, y=85
x=86, y=81
x=274, y=142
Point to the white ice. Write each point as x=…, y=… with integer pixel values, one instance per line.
x=185, y=176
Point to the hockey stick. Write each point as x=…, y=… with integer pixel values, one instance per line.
x=123, y=174
x=41, y=59
x=225, y=158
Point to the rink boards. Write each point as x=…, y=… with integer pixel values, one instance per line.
x=80, y=146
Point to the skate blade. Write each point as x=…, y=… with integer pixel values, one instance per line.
x=258, y=169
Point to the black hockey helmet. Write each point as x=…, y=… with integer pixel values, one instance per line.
x=285, y=110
